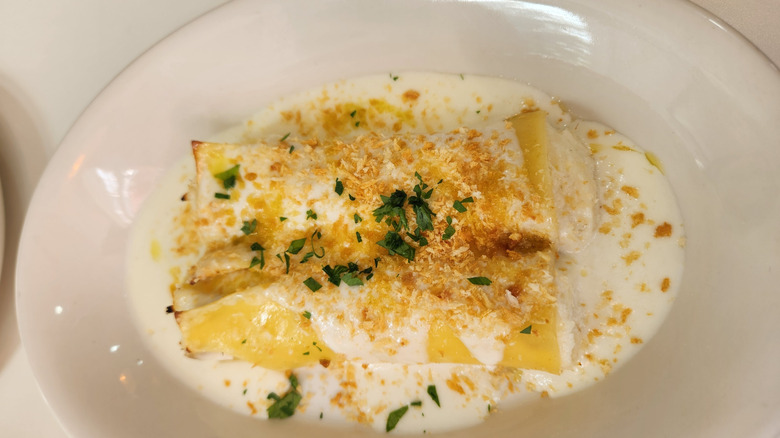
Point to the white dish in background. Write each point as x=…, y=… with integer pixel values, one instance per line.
x=664, y=73
x=2, y=229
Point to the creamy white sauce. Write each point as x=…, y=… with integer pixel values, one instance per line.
x=617, y=279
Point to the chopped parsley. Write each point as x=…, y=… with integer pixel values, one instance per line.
x=243, y=341
x=249, y=227
x=244, y=391
x=334, y=274
x=314, y=286
x=376, y=262
x=282, y=218
x=478, y=111
x=393, y=213
x=416, y=403
x=255, y=261
x=307, y=314
x=310, y=214
x=458, y=205
x=392, y=207
x=420, y=206
x=351, y=280
x=395, y=417
x=352, y=114
x=357, y=123
x=257, y=247
x=351, y=198
x=339, y=189
x=526, y=331
x=395, y=245
x=357, y=218
x=348, y=274
x=228, y=177
x=434, y=395
x=285, y=137
x=313, y=252
x=296, y=246
x=221, y=195
x=417, y=237
x=449, y=231
x=394, y=78
x=480, y=281
x=359, y=238
x=292, y=148
x=286, y=261
x=284, y=406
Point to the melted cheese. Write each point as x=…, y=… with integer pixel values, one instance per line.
x=409, y=312
x=612, y=288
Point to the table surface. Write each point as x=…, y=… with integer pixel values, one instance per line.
x=55, y=57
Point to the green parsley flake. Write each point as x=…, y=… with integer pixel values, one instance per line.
x=243, y=341
x=458, y=205
x=420, y=206
x=310, y=214
x=292, y=148
x=296, y=246
x=227, y=174
x=480, y=281
x=221, y=195
x=434, y=395
x=313, y=285
x=395, y=245
x=357, y=218
x=351, y=198
x=351, y=280
x=284, y=407
x=352, y=114
x=282, y=218
x=339, y=189
x=359, y=238
x=307, y=314
x=392, y=207
x=357, y=123
x=416, y=403
x=286, y=261
x=395, y=417
x=249, y=227
x=417, y=237
x=257, y=247
x=449, y=231
x=285, y=137
x=255, y=261
x=526, y=331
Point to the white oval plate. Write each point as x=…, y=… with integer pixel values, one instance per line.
x=674, y=79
